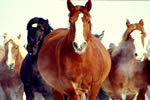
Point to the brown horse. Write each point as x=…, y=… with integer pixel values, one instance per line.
x=128, y=73
x=2, y=52
x=72, y=61
x=10, y=68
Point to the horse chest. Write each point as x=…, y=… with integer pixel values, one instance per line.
x=79, y=71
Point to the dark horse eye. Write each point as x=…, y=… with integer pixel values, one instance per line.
x=89, y=22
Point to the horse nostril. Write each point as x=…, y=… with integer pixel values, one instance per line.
x=136, y=54
x=84, y=44
x=75, y=44
x=12, y=66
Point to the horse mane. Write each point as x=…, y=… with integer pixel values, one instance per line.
x=40, y=21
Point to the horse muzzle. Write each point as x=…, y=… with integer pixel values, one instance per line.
x=79, y=49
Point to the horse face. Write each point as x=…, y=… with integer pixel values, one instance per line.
x=136, y=34
x=139, y=47
x=37, y=28
x=35, y=35
x=11, y=50
x=80, y=25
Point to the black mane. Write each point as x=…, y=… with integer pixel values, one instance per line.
x=36, y=34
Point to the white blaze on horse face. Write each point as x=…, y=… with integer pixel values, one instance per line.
x=10, y=61
x=139, y=48
x=35, y=25
x=79, y=36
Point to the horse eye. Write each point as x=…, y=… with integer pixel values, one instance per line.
x=16, y=47
x=88, y=22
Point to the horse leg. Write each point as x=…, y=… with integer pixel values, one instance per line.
x=7, y=94
x=20, y=92
x=47, y=96
x=38, y=96
x=84, y=97
x=92, y=94
x=117, y=95
x=141, y=95
x=74, y=97
x=57, y=95
x=65, y=96
x=102, y=95
x=130, y=97
x=116, y=91
x=28, y=92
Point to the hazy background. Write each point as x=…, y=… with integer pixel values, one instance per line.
x=106, y=15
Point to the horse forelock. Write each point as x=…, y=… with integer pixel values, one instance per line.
x=36, y=21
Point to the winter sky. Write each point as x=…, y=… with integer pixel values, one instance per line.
x=108, y=15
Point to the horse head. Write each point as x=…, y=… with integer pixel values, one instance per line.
x=135, y=34
x=37, y=29
x=14, y=52
x=80, y=25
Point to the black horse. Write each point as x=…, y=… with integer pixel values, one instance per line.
x=37, y=29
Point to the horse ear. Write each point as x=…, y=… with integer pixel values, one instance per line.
x=88, y=5
x=127, y=23
x=5, y=35
x=70, y=5
x=141, y=22
x=101, y=35
x=19, y=36
x=47, y=21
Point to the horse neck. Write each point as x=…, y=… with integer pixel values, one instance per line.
x=124, y=49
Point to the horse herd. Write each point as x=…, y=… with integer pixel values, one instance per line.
x=72, y=64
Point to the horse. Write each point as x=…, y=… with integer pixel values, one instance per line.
x=37, y=29
x=100, y=36
x=10, y=68
x=2, y=52
x=128, y=75
x=65, y=60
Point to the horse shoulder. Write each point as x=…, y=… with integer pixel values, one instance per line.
x=48, y=53
x=98, y=58
x=106, y=58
